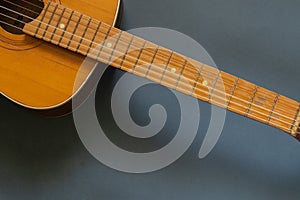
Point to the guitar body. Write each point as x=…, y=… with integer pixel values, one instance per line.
x=41, y=76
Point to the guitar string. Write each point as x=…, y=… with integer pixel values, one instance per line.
x=234, y=97
x=33, y=4
x=255, y=105
x=240, y=99
x=178, y=67
x=284, y=122
x=23, y=7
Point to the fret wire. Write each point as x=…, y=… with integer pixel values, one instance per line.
x=74, y=31
x=115, y=46
x=84, y=33
x=94, y=37
x=63, y=11
x=197, y=79
x=181, y=71
x=151, y=63
x=214, y=85
x=126, y=52
x=50, y=20
x=272, y=109
x=41, y=21
x=166, y=67
x=251, y=101
x=103, y=43
x=66, y=28
x=232, y=91
x=139, y=55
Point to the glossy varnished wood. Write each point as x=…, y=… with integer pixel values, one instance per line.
x=39, y=75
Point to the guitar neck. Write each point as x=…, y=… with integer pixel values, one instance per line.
x=79, y=33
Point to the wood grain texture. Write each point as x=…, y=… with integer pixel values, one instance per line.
x=32, y=75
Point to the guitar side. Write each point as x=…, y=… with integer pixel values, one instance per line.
x=41, y=76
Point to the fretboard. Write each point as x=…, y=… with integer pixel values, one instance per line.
x=79, y=33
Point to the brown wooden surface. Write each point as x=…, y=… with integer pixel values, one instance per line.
x=39, y=75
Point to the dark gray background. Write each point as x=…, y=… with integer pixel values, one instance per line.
x=258, y=40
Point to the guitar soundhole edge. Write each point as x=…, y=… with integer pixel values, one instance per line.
x=15, y=14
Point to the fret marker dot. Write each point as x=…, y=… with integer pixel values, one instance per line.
x=204, y=83
x=109, y=45
x=173, y=70
x=62, y=26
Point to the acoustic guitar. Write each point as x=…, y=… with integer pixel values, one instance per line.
x=43, y=44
